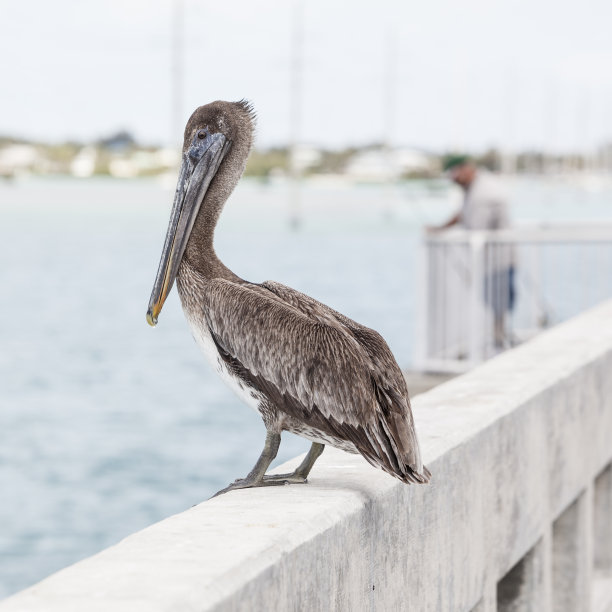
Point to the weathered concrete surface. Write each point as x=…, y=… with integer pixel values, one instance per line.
x=512, y=445
x=527, y=585
x=420, y=382
x=572, y=549
x=603, y=521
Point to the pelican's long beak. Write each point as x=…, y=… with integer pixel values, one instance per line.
x=200, y=164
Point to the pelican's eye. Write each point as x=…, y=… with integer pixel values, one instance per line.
x=202, y=134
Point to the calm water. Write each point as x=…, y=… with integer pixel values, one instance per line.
x=107, y=425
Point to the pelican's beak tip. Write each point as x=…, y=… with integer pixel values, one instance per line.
x=151, y=320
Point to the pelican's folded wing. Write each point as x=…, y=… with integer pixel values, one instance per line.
x=314, y=370
x=382, y=362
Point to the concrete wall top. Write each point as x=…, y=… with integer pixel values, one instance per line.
x=510, y=445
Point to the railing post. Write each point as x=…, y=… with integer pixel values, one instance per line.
x=488, y=601
x=602, y=511
x=476, y=244
x=573, y=556
x=527, y=586
x=422, y=349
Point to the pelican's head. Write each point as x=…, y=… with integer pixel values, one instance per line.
x=218, y=138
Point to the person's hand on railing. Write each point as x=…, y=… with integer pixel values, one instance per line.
x=434, y=229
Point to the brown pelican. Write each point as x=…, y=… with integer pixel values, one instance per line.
x=304, y=367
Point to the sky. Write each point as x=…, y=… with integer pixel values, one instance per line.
x=437, y=75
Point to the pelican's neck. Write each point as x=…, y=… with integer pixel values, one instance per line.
x=200, y=253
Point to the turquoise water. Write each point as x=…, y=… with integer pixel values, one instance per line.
x=107, y=425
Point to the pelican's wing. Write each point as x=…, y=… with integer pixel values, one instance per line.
x=389, y=382
x=315, y=370
x=383, y=361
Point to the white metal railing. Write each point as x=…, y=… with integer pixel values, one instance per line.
x=485, y=291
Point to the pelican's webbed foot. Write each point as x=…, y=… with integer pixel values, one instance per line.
x=281, y=479
x=300, y=474
x=248, y=483
x=257, y=476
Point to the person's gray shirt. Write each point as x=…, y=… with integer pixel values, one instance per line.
x=485, y=205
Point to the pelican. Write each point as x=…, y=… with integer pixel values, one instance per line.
x=304, y=367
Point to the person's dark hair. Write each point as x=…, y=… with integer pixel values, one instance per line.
x=452, y=161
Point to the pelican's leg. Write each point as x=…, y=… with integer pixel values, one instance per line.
x=255, y=477
x=301, y=472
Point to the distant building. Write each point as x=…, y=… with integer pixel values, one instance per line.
x=120, y=142
x=141, y=163
x=84, y=163
x=381, y=165
x=18, y=158
x=304, y=157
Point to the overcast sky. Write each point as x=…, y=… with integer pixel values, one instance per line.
x=466, y=74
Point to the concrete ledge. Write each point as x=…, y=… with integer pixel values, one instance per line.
x=515, y=447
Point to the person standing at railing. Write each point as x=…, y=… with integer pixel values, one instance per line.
x=485, y=207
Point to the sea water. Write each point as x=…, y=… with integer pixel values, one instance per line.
x=107, y=425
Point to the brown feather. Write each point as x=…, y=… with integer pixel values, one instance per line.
x=313, y=368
